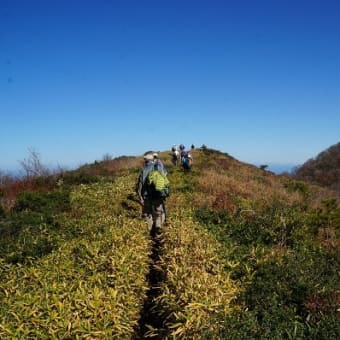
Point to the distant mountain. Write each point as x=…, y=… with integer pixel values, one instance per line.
x=323, y=170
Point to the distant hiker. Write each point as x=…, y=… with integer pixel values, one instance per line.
x=192, y=147
x=159, y=164
x=152, y=189
x=175, y=155
x=186, y=158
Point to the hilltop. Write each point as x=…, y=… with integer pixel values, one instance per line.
x=245, y=254
x=324, y=169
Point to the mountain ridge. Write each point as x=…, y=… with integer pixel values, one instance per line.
x=245, y=253
x=324, y=169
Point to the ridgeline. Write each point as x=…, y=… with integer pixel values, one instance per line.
x=245, y=254
x=324, y=169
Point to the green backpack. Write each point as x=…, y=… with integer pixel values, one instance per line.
x=158, y=184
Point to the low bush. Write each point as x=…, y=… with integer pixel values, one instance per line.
x=33, y=228
x=297, y=186
x=290, y=280
x=272, y=225
x=45, y=202
x=77, y=177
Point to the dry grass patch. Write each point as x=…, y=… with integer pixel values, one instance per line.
x=231, y=189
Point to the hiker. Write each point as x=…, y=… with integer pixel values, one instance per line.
x=152, y=202
x=175, y=155
x=186, y=158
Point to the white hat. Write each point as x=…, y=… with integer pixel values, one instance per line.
x=148, y=157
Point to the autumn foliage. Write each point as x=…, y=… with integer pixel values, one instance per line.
x=324, y=169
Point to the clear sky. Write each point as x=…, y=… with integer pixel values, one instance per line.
x=257, y=79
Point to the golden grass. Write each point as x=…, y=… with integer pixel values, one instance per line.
x=235, y=188
x=197, y=291
x=91, y=287
x=227, y=184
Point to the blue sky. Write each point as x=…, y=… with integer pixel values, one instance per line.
x=259, y=80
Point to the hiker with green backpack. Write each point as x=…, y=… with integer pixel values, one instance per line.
x=152, y=189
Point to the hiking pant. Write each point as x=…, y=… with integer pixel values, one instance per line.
x=153, y=212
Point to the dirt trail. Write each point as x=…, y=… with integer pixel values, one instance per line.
x=149, y=315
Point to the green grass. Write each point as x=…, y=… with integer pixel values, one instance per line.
x=75, y=257
x=290, y=281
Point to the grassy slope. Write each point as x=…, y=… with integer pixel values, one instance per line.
x=92, y=285
x=242, y=256
x=280, y=240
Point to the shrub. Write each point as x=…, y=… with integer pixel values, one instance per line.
x=273, y=225
x=43, y=202
x=32, y=229
x=78, y=177
x=289, y=281
x=297, y=186
x=324, y=222
x=30, y=243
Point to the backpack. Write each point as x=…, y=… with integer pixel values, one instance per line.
x=157, y=184
x=186, y=160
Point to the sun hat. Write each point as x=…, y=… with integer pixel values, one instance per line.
x=148, y=157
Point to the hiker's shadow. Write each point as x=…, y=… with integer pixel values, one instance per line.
x=131, y=205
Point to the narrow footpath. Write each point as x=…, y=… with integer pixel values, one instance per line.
x=150, y=316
